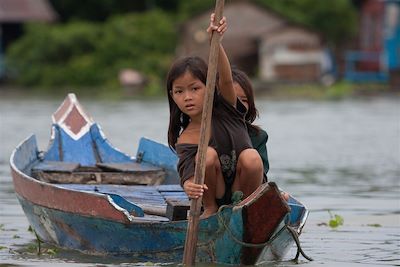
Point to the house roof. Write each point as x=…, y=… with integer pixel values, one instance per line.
x=249, y=24
x=292, y=34
x=26, y=10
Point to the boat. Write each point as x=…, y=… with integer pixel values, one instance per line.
x=83, y=194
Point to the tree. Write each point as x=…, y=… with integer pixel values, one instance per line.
x=336, y=20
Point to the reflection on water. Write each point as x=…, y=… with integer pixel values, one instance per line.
x=338, y=156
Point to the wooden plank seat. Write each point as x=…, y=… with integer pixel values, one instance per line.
x=166, y=201
x=128, y=173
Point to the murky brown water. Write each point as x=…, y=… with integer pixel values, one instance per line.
x=339, y=156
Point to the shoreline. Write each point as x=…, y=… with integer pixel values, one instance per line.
x=274, y=91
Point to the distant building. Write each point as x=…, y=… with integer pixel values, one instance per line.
x=262, y=43
x=13, y=13
x=376, y=54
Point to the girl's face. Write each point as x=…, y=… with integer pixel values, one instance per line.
x=241, y=95
x=188, y=94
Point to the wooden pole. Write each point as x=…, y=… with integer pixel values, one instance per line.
x=189, y=254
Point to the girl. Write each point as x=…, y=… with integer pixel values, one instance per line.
x=258, y=137
x=231, y=162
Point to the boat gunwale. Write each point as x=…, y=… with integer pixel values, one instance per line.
x=50, y=186
x=19, y=176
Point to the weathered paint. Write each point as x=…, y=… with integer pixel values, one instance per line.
x=111, y=219
x=155, y=241
x=159, y=155
x=106, y=151
x=89, y=149
x=72, y=118
x=392, y=33
x=260, y=220
x=99, y=236
x=90, y=222
x=77, y=138
x=378, y=52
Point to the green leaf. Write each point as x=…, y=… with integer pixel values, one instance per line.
x=51, y=251
x=374, y=225
x=333, y=223
x=339, y=219
x=336, y=220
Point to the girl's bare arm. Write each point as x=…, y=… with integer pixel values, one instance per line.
x=225, y=82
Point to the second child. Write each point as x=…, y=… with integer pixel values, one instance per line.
x=258, y=137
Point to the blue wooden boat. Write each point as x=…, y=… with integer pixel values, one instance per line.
x=84, y=194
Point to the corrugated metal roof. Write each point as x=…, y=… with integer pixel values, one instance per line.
x=26, y=10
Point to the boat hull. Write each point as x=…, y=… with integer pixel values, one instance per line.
x=90, y=219
x=148, y=241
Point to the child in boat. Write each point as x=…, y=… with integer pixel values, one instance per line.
x=258, y=137
x=231, y=162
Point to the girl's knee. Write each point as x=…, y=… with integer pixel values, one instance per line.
x=212, y=160
x=250, y=159
x=250, y=171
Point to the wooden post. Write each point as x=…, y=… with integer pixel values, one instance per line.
x=189, y=254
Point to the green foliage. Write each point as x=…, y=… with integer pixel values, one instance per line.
x=34, y=248
x=374, y=225
x=143, y=42
x=84, y=54
x=100, y=10
x=188, y=9
x=336, y=20
x=339, y=90
x=336, y=220
x=52, y=55
x=89, y=54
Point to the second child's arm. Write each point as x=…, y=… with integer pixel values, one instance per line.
x=225, y=82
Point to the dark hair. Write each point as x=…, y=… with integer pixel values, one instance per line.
x=178, y=121
x=243, y=80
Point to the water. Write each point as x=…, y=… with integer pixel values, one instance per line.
x=339, y=156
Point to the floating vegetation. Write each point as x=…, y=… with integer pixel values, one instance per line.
x=374, y=225
x=35, y=248
x=32, y=248
x=51, y=251
x=149, y=263
x=38, y=242
x=336, y=220
x=2, y=247
x=3, y=228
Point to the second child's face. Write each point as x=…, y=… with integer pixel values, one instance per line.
x=188, y=94
x=241, y=95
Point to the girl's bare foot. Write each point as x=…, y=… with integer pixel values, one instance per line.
x=285, y=196
x=208, y=211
